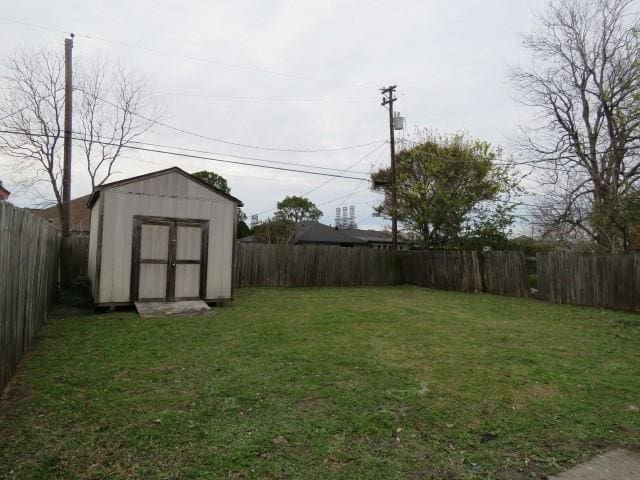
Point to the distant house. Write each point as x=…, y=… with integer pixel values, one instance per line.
x=4, y=193
x=79, y=214
x=316, y=233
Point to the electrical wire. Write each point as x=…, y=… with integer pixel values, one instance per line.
x=189, y=57
x=244, y=145
x=258, y=159
x=343, y=171
x=333, y=177
x=258, y=99
x=199, y=157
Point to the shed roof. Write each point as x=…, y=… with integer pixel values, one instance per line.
x=93, y=198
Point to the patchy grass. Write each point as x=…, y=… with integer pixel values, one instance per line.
x=326, y=383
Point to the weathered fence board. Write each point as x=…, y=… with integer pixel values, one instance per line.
x=78, y=246
x=609, y=281
x=504, y=273
x=444, y=270
x=255, y=265
x=28, y=277
x=313, y=266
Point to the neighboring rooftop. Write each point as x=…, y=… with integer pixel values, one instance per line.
x=316, y=232
x=312, y=232
x=4, y=193
x=80, y=215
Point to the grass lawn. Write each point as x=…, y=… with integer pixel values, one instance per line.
x=385, y=383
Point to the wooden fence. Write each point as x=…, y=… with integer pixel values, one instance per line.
x=501, y=273
x=609, y=281
x=29, y=249
x=78, y=246
x=444, y=270
x=313, y=266
x=504, y=273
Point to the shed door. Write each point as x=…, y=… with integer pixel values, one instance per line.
x=169, y=259
x=190, y=262
x=154, y=261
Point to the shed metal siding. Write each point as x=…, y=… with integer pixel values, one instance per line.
x=173, y=196
x=93, y=247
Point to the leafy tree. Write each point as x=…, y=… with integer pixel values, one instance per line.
x=584, y=83
x=450, y=191
x=296, y=209
x=276, y=230
x=219, y=182
x=213, y=179
x=242, y=229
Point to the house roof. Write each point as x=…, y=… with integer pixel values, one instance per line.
x=316, y=232
x=370, y=235
x=79, y=215
x=93, y=198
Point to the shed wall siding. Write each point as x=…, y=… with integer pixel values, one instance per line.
x=93, y=244
x=149, y=198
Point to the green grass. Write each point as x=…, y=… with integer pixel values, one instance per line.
x=326, y=383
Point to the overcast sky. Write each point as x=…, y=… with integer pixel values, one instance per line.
x=449, y=60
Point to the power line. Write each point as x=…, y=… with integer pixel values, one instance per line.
x=258, y=99
x=358, y=189
x=345, y=170
x=333, y=177
x=189, y=57
x=14, y=113
x=244, y=145
x=281, y=162
x=207, y=152
x=346, y=197
x=258, y=147
x=200, y=157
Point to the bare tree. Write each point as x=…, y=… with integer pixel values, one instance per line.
x=32, y=112
x=113, y=109
x=584, y=81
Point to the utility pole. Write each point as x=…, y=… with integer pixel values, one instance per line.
x=388, y=99
x=65, y=219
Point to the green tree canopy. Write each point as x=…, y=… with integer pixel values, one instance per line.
x=276, y=230
x=451, y=190
x=296, y=209
x=213, y=179
x=219, y=182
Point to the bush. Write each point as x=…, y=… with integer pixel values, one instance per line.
x=78, y=294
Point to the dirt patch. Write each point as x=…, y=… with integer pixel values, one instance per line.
x=164, y=368
x=309, y=404
x=334, y=463
x=60, y=310
x=15, y=391
x=544, y=391
x=539, y=391
x=429, y=473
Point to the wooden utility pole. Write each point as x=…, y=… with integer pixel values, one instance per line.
x=388, y=100
x=65, y=220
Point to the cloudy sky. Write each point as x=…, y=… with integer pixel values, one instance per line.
x=295, y=75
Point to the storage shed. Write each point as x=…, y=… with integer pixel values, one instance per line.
x=163, y=236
